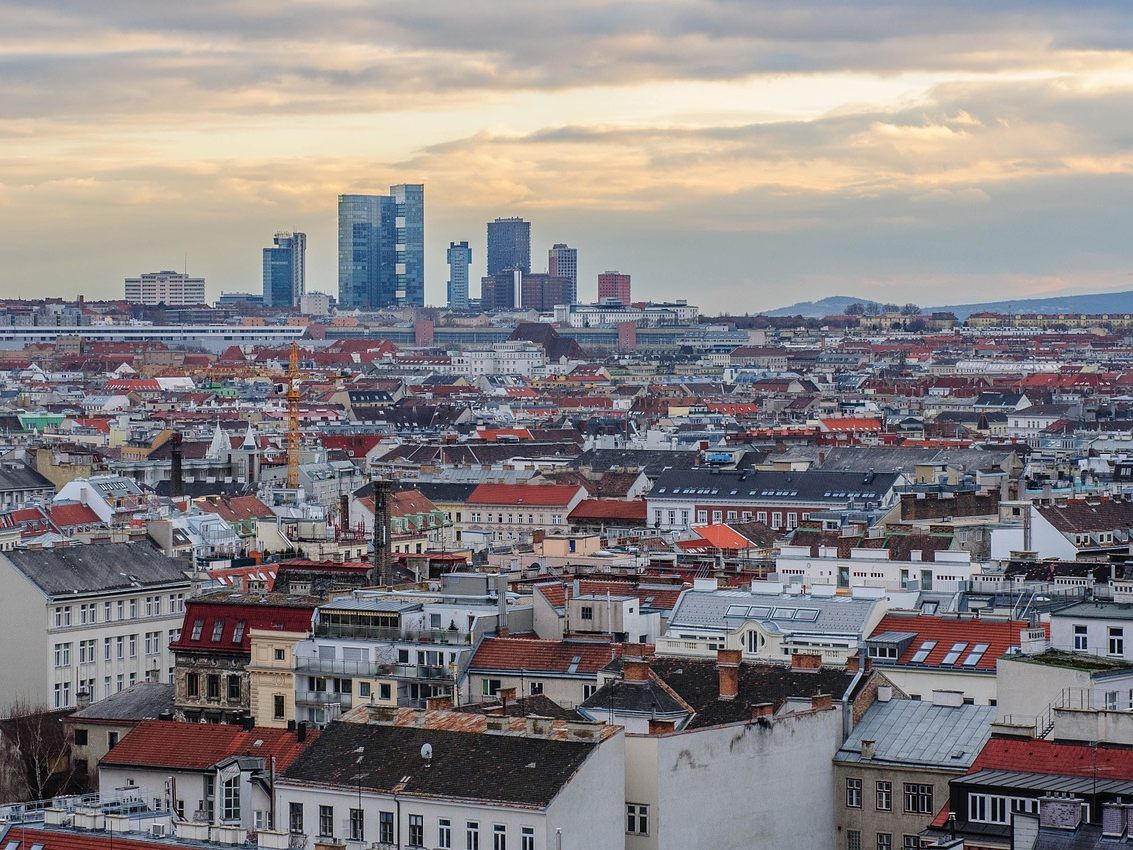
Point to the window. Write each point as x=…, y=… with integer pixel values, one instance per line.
x=918, y=799
x=385, y=827
x=107, y=608
x=111, y=740
x=234, y=688
x=212, y=686
x=1116, y=640
x=62, y=655
x=81, y=737
x=231, y=799
x=87, y=613
x=1081, y=638
x=416, y=830
x=133, y=609
x=192, y=685
x=295, y=817
x=587, y=612
x=357, y=825
x=153, y=606
x=238, y=631
x=326, y=821
x=62, y=616
x=197, y=626
x=588, y=691
x=854, y=793
x=883, y=792
x=62, y=694
x=385, y=692
x=701, y=517
x=527, y=838
x=153, y=643
x=884, y=841
x=444, y=834
x=490, y=687
x=471, y=835
x=853, y=839
x=364, y=690
x=922, y=652
x=280, y=654
x=217, y=630
x=536, y=688
x=499, y=836
x=954, y=653
x=911, y=842
x=277, y=707
x=133, y=646
x=637, y=819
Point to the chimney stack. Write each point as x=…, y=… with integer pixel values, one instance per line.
x=806, y=661
x=661, y=727
x=635, y=670
x=176, y=476
x=821, y=702
x=728, y=668
x=382, y=571
x=762, y=709
x=869, y=749
x=501, y=605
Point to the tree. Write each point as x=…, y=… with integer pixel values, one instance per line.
x=873, y=309
x=910, y=310
x=855, y=309
x=35, y=754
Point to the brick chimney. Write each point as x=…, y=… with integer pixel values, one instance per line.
x=438, y=702
x=635, y=670
x=762, y=709
x=806, y=661
x=821, y=702
x=728, y=667
x=661, y=727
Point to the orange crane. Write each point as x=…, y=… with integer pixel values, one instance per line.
x=293, y=437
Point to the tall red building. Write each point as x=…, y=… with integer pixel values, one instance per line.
x=615, y=286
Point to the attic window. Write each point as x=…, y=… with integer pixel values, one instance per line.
x=217, y=629
x=954, y=653
x=197, y=626
x=975, y=655
x=922, y=653
x=808, y=614
x=238, y=632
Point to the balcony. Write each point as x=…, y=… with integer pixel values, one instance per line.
x=344, y=669
x=323, y=698
x=450, y=637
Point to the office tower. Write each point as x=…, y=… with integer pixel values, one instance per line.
x=613, y=286
x=171, y=288
x=509, y=245
x=459, y=259
x=409, y=244
x=285, y=270
x=543, y=292
x=366, y=252
x=562, y=261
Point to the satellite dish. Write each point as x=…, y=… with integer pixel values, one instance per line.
x=426, y=751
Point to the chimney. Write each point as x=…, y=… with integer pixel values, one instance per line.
x=291, y=725
x=728, y=668
x=762, y=709
x=1114, y=819
x=83, y=699
x=635, y=670
x=344, y=512
x=501, y=605
x=176, y=477
x=301, y=732
x=438, y=703
x=806, y=661
x=869, y=749
x=951, y=699
x=248, y=723
x=1060, y=812
x=821, y=702
x=853, y=663
x=884, y=693
x=661, y=727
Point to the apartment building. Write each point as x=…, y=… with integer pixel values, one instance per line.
x=92, y=619
x=512, y=511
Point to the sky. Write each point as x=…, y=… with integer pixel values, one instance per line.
x=742, y=154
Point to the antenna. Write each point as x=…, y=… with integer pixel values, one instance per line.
x=427, y=754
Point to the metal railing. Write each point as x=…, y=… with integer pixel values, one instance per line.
x=381, y=633
x=323, y=698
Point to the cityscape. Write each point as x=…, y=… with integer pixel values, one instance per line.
x=654, y=426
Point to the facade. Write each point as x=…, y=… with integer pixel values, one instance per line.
x=459, y=259
x=271, y=677
x=565, y=671
x=512, y=511
x=366, y=234
x=501, y=358
x=544, y=292
x=614, y=286
x=509, y=245
x=562, y=261
x=285, y=270
x=449, y=780
x=409, y=244
x=1095, y=628
x=92, y=619
x=95, y=730
x=173, y=289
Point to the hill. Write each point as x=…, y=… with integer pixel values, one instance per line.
x=834, y=305
x=1099, y=302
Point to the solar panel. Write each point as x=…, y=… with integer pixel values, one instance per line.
x=954, y=653
x=975, y=655
x=922, y=653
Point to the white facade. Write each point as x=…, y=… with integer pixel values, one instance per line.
x=873, y=568
x=501, y=358
x=171, y=288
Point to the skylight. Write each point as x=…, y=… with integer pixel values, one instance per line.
x=975, y=655
x=922, y=653
x=954, y=653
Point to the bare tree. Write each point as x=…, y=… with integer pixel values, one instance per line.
x=35, y=754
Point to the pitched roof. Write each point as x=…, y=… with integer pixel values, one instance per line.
x=537, y=656
x=1035, y=755
x=538, y=495
x=918, y=732
x=95, y=567
x=516, y=769
x=1080, y=515
x=949, y=631
x=226, y=620
x=609, y=510
x=143, y=701
x=199, y=746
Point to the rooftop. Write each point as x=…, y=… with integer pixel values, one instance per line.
x=918, y=732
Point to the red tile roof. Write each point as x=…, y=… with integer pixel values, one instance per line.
x=222, y=613
x=68, y=515
x=57, y=839
x=1031, y=755
x=549, y=495
x=609, y=510
x=533, y=655
x=199, y=746
x=651, y=596
x=947, y=631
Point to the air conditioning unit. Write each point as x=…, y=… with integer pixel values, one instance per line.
x=157, y=830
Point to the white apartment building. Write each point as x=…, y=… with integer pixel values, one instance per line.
x=95, y=618
x=501, y=358
x=606, y=315
x=174, y=289
x=866, y=567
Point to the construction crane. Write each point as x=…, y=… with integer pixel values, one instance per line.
x=293, y=437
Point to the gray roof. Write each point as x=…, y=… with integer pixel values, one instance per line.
x=143, y=701
x=384, y=604
x=917, y=732
x=96, y=567
x=725, y=610
x=899, y=458
x=23, y=477
x=1096, y=611
x=703, y=484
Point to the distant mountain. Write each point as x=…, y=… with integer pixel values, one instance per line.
x=1101, y=302
x=835, y=305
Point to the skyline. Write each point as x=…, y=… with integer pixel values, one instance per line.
x=953, y=153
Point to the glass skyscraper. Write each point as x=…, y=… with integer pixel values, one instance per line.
x=562, y=261
x=459, y=259
x=285, y=270
x=509, y=245
x=409, y=248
